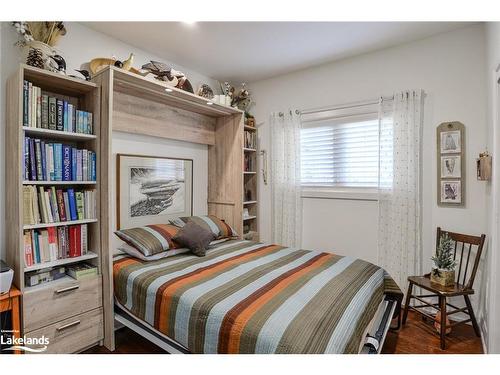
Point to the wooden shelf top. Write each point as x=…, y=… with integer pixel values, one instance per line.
x=152, y=89
x=60, y=262
x=246, y=149
x=249, y=217
x=59, y=182
x=57, y=134
x=249, y=202
x=58, y=82
x=59, y=224
x=249, y=172
x=250, y=128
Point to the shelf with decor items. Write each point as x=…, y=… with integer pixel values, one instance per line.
x=53, y=199
x=250, y=183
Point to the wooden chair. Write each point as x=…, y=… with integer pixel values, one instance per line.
x=462, y=286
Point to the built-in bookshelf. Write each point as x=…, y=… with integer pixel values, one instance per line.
x=250, y=183
x=53, y=199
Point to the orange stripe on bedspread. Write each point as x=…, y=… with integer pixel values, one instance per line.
x=167, y=290
x=235, y=321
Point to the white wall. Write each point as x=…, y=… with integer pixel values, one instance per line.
x=80, y=45
x=451, y=69
x=493, y=295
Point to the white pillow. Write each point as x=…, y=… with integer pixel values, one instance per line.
x=132, y=251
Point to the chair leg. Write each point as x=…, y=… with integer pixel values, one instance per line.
x=472, y=316
x=407, y=303
x=442, y=307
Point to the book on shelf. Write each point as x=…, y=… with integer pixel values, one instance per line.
x=40, y=110
x=250, y=139
x=81, y=270
x=248, y=163
x=51, y=244
x=53, y=161
x=47, y=205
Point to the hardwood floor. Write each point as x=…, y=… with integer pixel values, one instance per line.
x=417, y=337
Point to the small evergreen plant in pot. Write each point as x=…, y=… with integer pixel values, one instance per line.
x=443, y=271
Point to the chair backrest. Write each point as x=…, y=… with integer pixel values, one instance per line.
x=464, y=244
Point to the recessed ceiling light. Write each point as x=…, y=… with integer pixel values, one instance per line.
x=189, y=23
x=168, y=90
x=210, y=103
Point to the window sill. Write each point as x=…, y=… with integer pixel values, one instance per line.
x=333, y=193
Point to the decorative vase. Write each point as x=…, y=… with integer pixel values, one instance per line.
x=443, y=277
x=36, y=53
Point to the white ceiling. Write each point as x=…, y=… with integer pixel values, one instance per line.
x=251, y=51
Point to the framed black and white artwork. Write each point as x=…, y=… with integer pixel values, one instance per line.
x=451, y=142
x=451, y=166
x=451, y=192
x=152, y=190
x=451, y=162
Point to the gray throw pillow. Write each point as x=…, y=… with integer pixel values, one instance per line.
x=195, y=238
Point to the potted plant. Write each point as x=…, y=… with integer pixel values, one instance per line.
x=443, y=271
x=38, y=40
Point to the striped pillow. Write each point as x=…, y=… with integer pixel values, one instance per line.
x=218, y=226
x=150, y=239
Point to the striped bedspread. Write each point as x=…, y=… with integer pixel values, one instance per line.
x=247, y=297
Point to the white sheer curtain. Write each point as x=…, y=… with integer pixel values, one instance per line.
x=399, y=248
x=285, y=178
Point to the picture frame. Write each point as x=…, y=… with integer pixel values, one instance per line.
x=451, y=166
x=451, y=163
x=450, y=142
x=451, y=191
x=152, y=189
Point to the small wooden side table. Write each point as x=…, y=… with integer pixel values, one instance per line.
x=10, y=301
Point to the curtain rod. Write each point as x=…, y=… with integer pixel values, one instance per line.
x=343, y=106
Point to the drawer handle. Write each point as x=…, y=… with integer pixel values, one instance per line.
x=69, y=288
x=66, y=326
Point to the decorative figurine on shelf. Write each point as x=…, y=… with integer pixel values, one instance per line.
x=183, y=83
x=161, y=71
x=205, y=91
x=97, y=64
x=84, y=73
x=56, y=64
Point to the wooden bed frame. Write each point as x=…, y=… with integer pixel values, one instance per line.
x=127, y=100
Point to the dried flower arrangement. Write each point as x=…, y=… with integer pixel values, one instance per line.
x=48, y=32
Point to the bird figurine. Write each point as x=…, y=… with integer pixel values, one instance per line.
x=161, y=71
x=56, y=63
x=127, y=64
x=84, y=73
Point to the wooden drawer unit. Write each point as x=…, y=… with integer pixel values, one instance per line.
x=73, y=334
x=61, y=300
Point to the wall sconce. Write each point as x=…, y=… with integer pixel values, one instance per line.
x=483, y=166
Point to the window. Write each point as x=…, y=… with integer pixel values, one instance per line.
x=340, y=150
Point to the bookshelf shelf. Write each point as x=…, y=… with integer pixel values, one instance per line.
x=61, y=262
x=249, y=202
x=245, y=218
x=250, y=128
x=249, y=172
x=59, y=224
x=57, y=134
x=59, y=182
x=246, y=149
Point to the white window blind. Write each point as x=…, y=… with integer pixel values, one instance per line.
x=340, y=151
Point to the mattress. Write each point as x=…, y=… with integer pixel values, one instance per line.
x=247, y=297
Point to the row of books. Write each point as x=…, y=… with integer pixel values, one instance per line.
x=48, y=245
x=250, y=139
x=51, y=205
x=47, y=112
x=248, y=163
x=46, y=161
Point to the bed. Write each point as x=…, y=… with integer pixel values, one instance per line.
x=248, y=297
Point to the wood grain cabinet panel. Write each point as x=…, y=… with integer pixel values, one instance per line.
x=63, y=300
